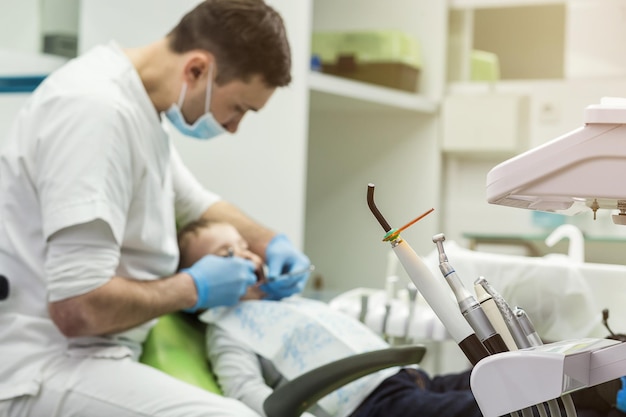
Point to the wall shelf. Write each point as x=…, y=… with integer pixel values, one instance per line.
x=476, y=4
x=331, y=93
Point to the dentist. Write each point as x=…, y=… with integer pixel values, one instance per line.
x=91, y=194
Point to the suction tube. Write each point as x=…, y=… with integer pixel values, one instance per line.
x=434, y=291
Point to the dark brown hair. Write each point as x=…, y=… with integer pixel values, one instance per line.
x=247, y=38
x=184, y=235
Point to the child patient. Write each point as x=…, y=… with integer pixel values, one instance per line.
x=258, y=344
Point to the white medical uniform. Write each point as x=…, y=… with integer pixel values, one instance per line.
x=89, y=145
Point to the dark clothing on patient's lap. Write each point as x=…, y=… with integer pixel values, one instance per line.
x=411, y=392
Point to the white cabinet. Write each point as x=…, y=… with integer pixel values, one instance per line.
x=557, y=56
x=540, y=39
x=595, y=32
x=487, y=123
x=361, y=133
x=543, y=47
x=529, y=40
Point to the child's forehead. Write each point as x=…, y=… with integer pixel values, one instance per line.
x=221, y=228
x=220, y=232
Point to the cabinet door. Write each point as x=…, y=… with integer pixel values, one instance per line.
x=596, y=33
x=484, y=123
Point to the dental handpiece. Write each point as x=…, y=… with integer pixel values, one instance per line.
x=438, y=298
x=527, y=326
x=507, y=314
x=493, y=313
x=495, y=318
x=535, y=340
x=470, y=308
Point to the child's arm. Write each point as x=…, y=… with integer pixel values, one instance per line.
x=237, y=369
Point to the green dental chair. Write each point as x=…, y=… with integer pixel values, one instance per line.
x=176, y=346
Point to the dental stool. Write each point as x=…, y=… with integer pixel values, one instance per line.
x=176, y=346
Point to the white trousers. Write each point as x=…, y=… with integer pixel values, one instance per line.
x=91, y=387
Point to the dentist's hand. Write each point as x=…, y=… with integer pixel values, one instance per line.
x=220, y=281
x=282, y=257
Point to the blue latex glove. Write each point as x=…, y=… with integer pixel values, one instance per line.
x=220, y=281
x=282, y=257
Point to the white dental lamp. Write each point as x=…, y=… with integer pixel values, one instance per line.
x=579, y=171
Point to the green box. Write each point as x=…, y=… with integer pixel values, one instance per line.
x=389, y=58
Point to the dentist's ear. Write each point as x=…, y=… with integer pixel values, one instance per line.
x=197, y=66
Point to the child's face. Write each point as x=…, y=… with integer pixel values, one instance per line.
x=223, y=239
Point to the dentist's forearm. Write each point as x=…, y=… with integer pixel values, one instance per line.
x=121, y=304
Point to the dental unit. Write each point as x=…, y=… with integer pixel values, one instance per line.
x=523, y=374
x=433, y=290
x=580, y=171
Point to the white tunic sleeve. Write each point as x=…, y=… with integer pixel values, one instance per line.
x=83, y=163
x=87, y=251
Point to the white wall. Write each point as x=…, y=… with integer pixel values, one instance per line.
x=20, y=25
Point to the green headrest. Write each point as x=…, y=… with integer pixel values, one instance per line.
x=176, y=346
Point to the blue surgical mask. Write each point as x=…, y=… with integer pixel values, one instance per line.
x=206, y=127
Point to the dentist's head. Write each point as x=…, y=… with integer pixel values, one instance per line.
x=223, y=59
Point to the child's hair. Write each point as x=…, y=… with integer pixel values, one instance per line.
x=186, y=232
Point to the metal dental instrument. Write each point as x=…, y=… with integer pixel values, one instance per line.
x=309, y=268
x=433, y=290
x=527, y=326
x=470, y=308
x=491, y=310
x=512, y=325
x=507, y=314
x=535, y=340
